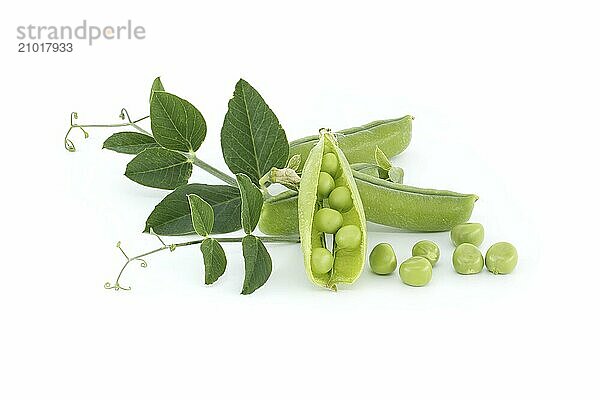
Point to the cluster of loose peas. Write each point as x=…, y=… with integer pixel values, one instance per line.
x=335, y=197
x=501, y=257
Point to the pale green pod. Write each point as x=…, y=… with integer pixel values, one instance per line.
x=411, y=208
x=358, y=144
x=348, y=264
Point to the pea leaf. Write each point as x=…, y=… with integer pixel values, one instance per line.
x=176, y=123
x=252, y=139
x=382, y=160
x=203, y=217
x=172, y=216
x=159, y=168
x=157, y=86
x=215, y=260
x=257, y=262
x=252, y=201
x=129, y=142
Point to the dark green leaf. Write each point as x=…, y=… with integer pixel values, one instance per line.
x=159, y=168
x=252, y=139
x=203, y=217
x=252, y=201
x=214, y=260
x=171, y=217
x=129, y=142
x=157, y=86
x=176, y=123
x=257, y=263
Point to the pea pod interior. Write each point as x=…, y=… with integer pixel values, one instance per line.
x=348, y=264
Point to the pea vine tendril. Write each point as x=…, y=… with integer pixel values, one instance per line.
x=123, y=115
x=171, y=247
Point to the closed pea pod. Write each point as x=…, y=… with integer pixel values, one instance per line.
x=359, y=143
x=315, y=219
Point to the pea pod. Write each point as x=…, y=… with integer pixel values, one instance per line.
x=359, y=143
x=387, y=203
x=347, y=262
x=411, y=208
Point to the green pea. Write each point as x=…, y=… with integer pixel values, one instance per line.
x=428, y=250
x=330, y=164
x=467, y=259
x=348, y=237
x=340, y=199
x=321, y=260
x=328, y=220
x=501, y=258
x=416, y=271
x=325, y=186
x=467, y=233
x=383, y=259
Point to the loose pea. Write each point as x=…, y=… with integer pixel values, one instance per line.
x=416, y=271
x=321, y=260
x=348, y=237
x=340, y=199
x=383, y=259
x=330, y=164
x=325, y=186
x=467, y=259
x=501, y=258
x=428, y=250
x=471, y=232
x=328, y=220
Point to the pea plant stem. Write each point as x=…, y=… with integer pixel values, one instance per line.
x=214, y=171
x=172, y=247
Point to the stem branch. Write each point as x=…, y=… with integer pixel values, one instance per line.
x=214, y=171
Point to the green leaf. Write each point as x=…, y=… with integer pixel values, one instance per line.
x=257, y=263
x=203, y=217
x=176, y=123
x=214, y=260
x=159, y=168
x=252, y=139
x=129, y=142
x=172, y=216
x=252, y=201
x=157, y=86
x=382, y=160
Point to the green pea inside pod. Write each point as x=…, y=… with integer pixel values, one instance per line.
x=315, y=219
x=340, y=199
x=325, y=186
x=330, y=164
x=321, y=260
x=328, y=220
x=348, y=237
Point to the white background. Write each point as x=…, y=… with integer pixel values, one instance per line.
x=506, y=100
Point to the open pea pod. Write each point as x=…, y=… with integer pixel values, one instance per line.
x=347, y=263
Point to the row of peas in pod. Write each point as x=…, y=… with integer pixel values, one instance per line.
x=332, y=223
x=501, y=257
